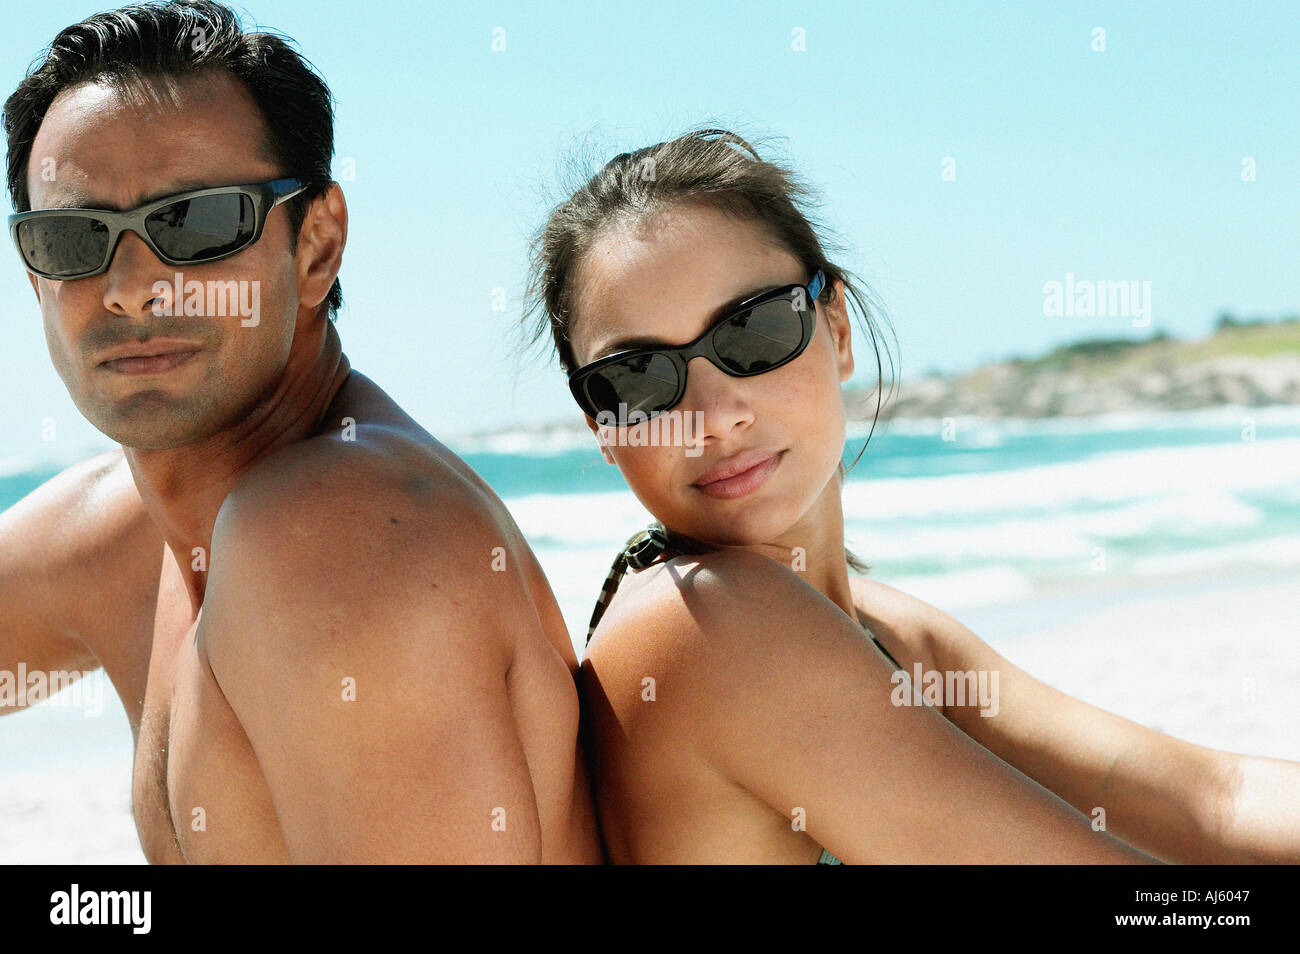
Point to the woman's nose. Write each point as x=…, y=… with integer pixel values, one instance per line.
x=721, y=399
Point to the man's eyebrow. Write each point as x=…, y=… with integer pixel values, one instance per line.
x=79, y=201
x=649, y=341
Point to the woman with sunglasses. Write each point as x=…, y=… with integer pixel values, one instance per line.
x=742, y=690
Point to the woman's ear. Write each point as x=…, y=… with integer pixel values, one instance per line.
x=837, y=319
x=601, y=431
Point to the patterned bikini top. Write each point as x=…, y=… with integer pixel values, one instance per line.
x=644, y=548
x=655, y=544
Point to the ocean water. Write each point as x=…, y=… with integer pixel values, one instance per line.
x=986, y=525
x=997, y=512
x=1000, y=512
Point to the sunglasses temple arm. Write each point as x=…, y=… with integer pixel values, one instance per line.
x=816, y=285
x=286, y=189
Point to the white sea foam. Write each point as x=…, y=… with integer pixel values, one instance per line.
x=1106, y=478
x=523, y=441
x=1069, y=535
x=963, y=589
x=1120, y=494
x=579, y=519
x=19, y=464
x=1226, y=416
x=1271, y=553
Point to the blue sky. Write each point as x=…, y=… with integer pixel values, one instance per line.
x=1117, y=165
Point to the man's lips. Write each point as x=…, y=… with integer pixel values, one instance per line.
x=148, y=357
x=739, y=475
x=151, y=364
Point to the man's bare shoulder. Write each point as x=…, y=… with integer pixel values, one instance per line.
x=355, y=623
x=360, y=543
x=85, y=546
x=339, y=495
x=92, y=505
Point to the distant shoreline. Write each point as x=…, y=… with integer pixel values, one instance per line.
x=1251, y=364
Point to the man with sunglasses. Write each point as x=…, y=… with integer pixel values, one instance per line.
x=330, y=639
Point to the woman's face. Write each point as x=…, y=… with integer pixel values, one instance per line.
x=662, y=280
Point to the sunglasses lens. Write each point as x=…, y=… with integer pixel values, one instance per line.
x=62, y=246
x=761, y=338
x=204, y=227
x=643, y=382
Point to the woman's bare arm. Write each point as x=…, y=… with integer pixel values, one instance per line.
x=1179, y=801
x=787, y=697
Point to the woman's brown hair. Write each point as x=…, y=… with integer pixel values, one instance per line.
x=712, y=166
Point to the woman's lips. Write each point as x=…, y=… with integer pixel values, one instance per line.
x=743, y=483
x=149, y=364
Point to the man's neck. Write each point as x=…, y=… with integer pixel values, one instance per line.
x=183, y=488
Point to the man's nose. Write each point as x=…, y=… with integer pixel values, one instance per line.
x=134, y=276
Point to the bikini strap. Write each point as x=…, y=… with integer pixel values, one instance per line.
x=652, y=545
x=643, y=549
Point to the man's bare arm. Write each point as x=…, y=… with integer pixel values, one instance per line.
x=360, y=637
x=42, y=539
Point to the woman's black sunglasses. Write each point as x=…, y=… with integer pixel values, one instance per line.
x=759, y=335
x=184, y=229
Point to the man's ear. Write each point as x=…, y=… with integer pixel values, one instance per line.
x=604, y=448
x=841, y=328
x=35, y=286
x=321, y=239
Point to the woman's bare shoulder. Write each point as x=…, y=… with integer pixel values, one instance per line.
x=743, y=666
x=669, y=600
x=703, y=628
x=738, y=596
x=902, y=623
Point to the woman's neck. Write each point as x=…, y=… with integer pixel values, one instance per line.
x=814, y=548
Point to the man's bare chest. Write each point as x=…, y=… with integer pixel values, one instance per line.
x=198, y=793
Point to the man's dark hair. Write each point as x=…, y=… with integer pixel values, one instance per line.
x=140, y=43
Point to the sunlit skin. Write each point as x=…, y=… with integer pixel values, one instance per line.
x=274, y=531
x=796, y=410
x=113, y=155
x=190, y=433
x=738, y=711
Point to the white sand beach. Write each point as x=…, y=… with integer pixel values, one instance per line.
x=1211, y=658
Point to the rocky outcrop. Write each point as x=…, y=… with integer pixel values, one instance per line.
x=1146, y=376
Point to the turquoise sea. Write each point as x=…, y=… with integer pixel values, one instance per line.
x=992, y=515
x=995, y=515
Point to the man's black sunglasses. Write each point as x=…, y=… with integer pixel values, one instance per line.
x=760, y=334
x=189, y=228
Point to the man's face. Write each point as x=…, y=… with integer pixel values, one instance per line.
x=116, y=152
